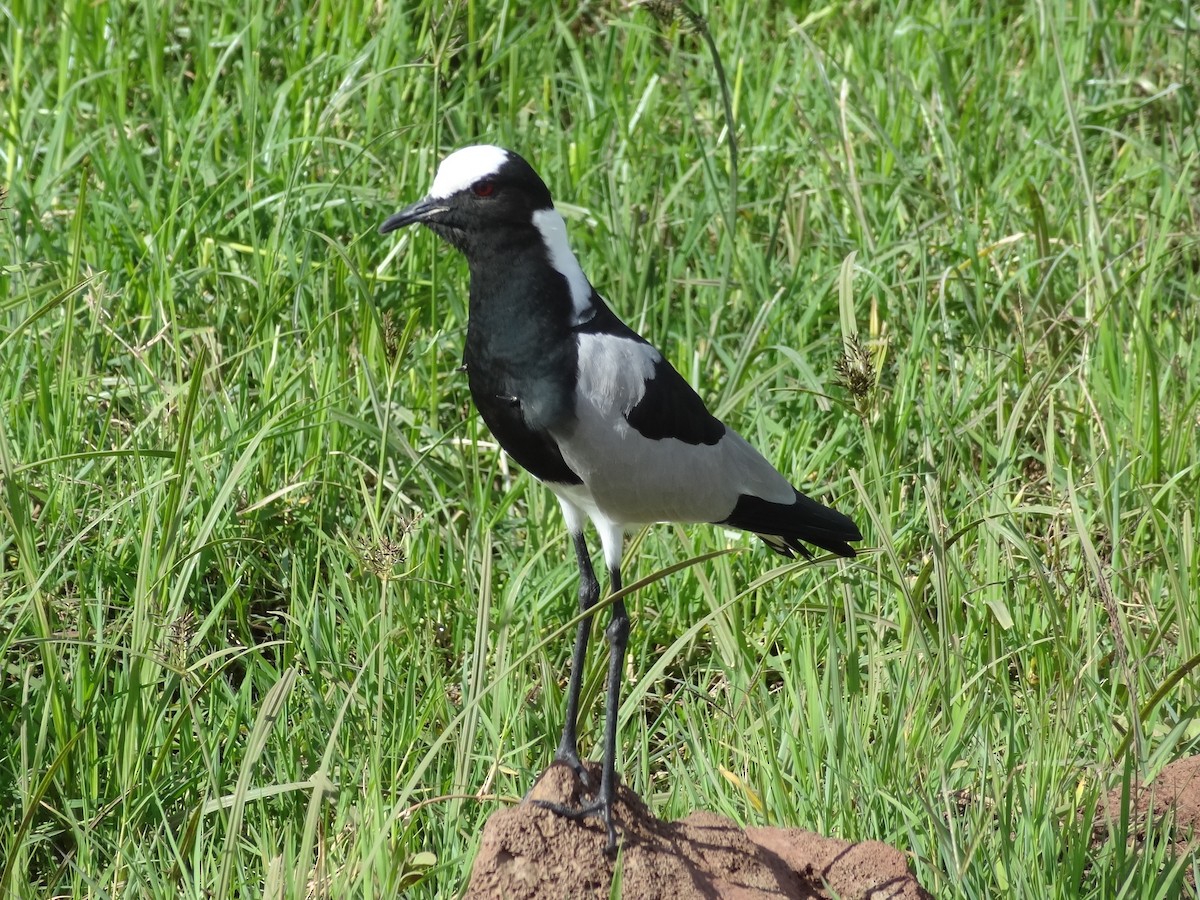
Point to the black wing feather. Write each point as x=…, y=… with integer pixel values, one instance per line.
x=783, y=525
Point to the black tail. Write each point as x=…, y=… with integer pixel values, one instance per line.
x=782, y=526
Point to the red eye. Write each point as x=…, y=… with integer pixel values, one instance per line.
x=484, y=188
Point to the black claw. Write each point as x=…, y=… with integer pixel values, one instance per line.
x=601, y=808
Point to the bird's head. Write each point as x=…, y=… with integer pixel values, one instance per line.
x=479, y=192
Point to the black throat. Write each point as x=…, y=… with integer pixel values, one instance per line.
x=521, y=354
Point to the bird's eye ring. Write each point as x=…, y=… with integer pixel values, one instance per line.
x=484, y=188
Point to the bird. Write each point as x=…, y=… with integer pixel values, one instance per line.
x=594, y=412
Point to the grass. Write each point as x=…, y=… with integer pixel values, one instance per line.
x=278, y=619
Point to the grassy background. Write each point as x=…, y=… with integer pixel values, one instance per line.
x=276, y=617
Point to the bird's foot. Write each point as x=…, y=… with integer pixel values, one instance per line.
x=601, y=806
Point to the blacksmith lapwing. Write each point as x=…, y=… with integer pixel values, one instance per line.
x=592, y=410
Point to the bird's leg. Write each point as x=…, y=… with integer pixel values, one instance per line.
x=618, y=638
x=589, y=594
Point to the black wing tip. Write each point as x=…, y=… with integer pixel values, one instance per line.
x=783, y=527
x=840, y=548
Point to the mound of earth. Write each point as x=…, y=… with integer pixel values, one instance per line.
x=1173, y=797
x=529, y=852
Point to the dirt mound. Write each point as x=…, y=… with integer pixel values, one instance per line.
x=1173, y=796
x=529, y=852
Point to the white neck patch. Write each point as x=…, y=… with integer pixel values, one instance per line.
x=554, y=235
x=464, y=167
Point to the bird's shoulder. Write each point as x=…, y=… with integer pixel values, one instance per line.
x=620, y=373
